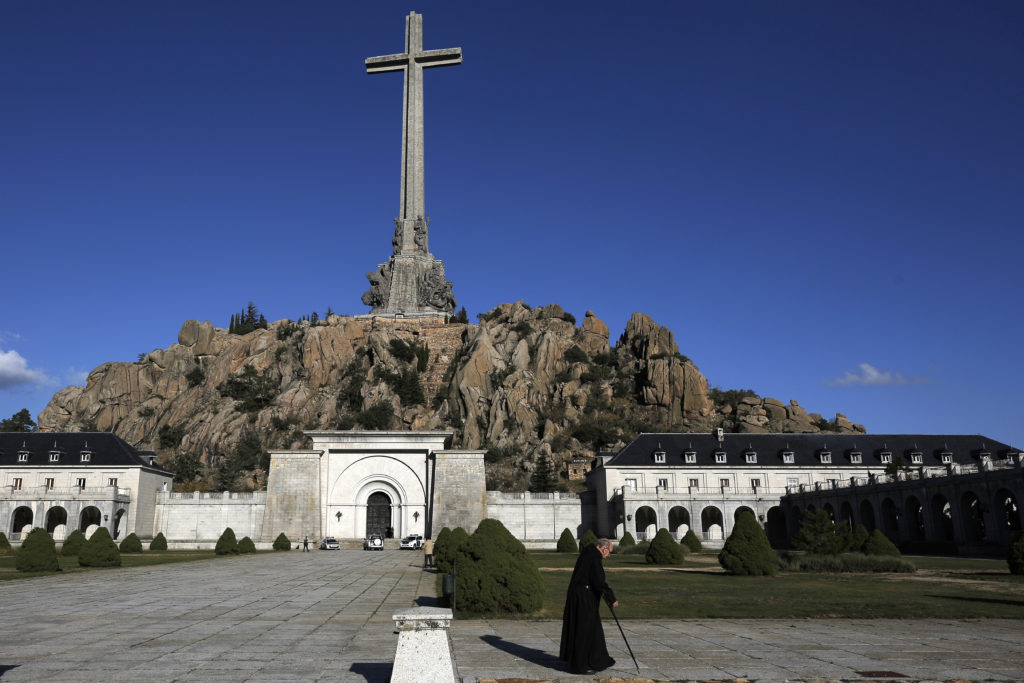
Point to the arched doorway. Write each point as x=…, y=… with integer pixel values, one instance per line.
x=711, y=522
x=974, y=520
x=915, y=518
x=775, y=528
x=56, y=522
x=891, y=520
x=678, y=517
x=117, y=523
x=378, y=513
x=90, y=517
x=846, y=513
x=942, y=517
x=831, y=512
x=21, y=518
x=867, y=515
x=646, y=523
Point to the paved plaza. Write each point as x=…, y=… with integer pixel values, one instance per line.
x=326, y=616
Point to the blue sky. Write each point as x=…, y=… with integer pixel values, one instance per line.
x=823, y=201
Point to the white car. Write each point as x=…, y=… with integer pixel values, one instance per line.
x=411, y=542
x=373, y=542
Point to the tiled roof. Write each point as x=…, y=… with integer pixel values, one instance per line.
x=806, y=449
x=104, y=449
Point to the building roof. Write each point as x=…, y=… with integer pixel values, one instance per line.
x=104, y=448
x=806, y=449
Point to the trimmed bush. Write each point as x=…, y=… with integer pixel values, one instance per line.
x=453, y=545
x=879, y=544
x=5, y=545
x=227, y=544
x=444, y=538
x=38, y=553
x=640, y=548
x=246, y=546
x=73, y=543
x=589, y=538
x=1015, y=557
x=747, y=551
x=627, y=541
x=664, y=549
x=691, y=541
x=847, y=562
x=818, y=534
x=282, y=542
x=567, y=542
x=495, y=573
x=100, y=550
x=130, y=544
x=159, y=542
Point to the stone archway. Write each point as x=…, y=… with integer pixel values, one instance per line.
x=867, y=515
x=378, y=514
x=646, y=523
x=775, y=527
x=21, y=519
x=56, y=522
x=973, y=518
x=1007, y=512
x=942, y=518
x=90, y=517
x=915, y=518
x=711, y=522
x=678, y=517
x=118, y=516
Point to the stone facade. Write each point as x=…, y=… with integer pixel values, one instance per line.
x=458, y=493
x=539, y=518
x=200, y=518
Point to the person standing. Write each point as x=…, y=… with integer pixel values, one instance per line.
x=305, y=544
x=428, y=553
x=583, y=646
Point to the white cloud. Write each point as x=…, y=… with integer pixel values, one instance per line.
x=868, y=374
x=14, y=371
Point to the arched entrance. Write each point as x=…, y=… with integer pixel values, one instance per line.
x=56, y=522
x=1007, y=512
x=378, y=513
x=646, y=523
x=974, y=520
x=117, y=523
x=678, y=517
x=915, y=518
x=775, y=528
x=942, y=518
x=90, y=517
x=21, y=519
x=711, y=522
x=891, y=520
x=867, y=515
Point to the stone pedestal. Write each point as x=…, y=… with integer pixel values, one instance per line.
x=424, y=652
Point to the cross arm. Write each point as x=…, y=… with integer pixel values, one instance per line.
x=446, y=57
x=376, y=65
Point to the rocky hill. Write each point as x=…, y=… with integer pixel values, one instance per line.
x=522, y=383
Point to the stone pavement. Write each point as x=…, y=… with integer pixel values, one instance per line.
x=326, y=616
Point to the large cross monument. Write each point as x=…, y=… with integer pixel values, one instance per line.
x=412, y=283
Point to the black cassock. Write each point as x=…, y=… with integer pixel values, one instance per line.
x=582, y=636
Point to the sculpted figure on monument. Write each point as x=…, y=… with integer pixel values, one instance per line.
x=396, y=241
x=420, y=227
x=435, y=291
x=380, y=287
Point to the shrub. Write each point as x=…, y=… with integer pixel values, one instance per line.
x=159, y=542
x=100, y=550
x=818, y=534
x=282, y=542
x=226, y=544
x=747, y=551
x=588, y=538
x=38, y=553
x=441, y=543
x=627, y=541
x=496, y=574
x=454, y=545
x=378, y=416
x=567, y=542
x=130, y=544
x=858, y=537
x=879, y=544
x=664, y=549
x=5, y=545
x=575, y=354
x=846, y=562
x=1015, y=556
x=640, y=548
x=691, y=541
x=246, y=546
x=73, y=543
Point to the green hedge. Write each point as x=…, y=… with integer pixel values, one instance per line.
x=246, y=546
x=282, y=542
x=691, y=541
x=130, y=544
x=567, y=542
x=747, y=551
x=589, y=538
x=1015, y=556
x=640, y=548
x=664, y=549
x=449, y=548
x=73, y=543
x=227, y=544
x=627, y=541
x=38, y=553
x=5, y=545
x=846, y=562
x=159, y=542
x=100, y=550
x=495, y=573
x=879, y=544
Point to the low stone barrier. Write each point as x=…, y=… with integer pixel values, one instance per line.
x=424, y=651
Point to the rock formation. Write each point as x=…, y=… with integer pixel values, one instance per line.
x=523, y=382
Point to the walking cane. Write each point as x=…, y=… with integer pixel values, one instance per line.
x=612, y=609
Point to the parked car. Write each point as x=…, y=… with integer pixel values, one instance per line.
x=373, y=542
x=411, y=542
x=329, y=543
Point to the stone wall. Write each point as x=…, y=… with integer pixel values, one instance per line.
x=459, y=491
x=533, y=517
x=200, y=518
x=295, y=507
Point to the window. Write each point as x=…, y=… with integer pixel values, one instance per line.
x=17, y=484
x=54, y=456
x=659, y=457
x=690, y=457
x=81, y=482
x=720, y=457
x=112, y=481
x=48, y=483
x=663, y=483
x=947, y=457
x=751, y=457
x=792, y=481
x=787, y=457
x=724, y=483
x=916, y=457
x=885, y=457
x=755, y=483
x=22, y=456
x=695, y=484
x=855, y=457
x=630, y=484
x=86, y=456
x=825, y=456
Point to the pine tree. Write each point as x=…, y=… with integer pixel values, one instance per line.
x=691, y=541
x=282, y=542
x=543, y=478
x=567, y=542
x=747, y=551
x=38, y=553
x=21, y=421
x=226, y=544
x=818, y=534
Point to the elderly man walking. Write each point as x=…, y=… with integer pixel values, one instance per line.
x=583, y=646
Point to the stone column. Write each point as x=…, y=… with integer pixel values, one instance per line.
x=424, y=651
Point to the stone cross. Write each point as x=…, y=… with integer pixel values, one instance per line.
x=411, y=224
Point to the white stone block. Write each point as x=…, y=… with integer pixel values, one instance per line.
x=424, y=651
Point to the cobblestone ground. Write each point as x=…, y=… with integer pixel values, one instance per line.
x=326, y=616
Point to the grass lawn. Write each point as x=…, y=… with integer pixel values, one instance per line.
x=70, y=564
x=950, y=588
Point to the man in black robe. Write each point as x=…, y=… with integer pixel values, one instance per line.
x=583, y=644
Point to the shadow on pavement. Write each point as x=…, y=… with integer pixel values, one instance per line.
x=373, y=673
x=528, y=654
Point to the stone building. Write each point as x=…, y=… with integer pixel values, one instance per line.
x=67, y=481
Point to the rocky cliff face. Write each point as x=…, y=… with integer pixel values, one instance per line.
x=522, y=383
